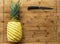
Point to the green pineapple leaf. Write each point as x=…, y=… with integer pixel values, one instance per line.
x=15, y=9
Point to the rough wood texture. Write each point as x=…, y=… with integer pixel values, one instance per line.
x=39, y=26
x=1, y=6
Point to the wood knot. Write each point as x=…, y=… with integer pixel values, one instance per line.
x=2, y=21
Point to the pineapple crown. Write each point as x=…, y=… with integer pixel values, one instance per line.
x=15, y=10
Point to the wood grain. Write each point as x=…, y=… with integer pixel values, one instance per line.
x=39, y=26
x=53, y=43
x=1, y=6
x=26, y=3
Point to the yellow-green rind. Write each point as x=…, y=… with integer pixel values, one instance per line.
x=14, y=31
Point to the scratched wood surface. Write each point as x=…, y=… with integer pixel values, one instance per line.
x=39, y=26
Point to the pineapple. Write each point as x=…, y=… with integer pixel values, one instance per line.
x=14, y=28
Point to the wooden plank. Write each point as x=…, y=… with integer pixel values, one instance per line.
x=1, y=17
x=50, y=3
x=1, y=32
x=5, y=43
x=40, y=35
x=45, y=34
x=1, y=6
x=1, y=37
x=25, y=4
x=7, y=6
x=30, y=28
x=28, y=40
x=23, y=43
x=6, y=17
x=53, y=43
x=58, y=33
x=1, y=27
x=58, y=19
x=33, y=43
x=39, y=19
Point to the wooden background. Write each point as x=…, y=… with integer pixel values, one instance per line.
x=39, y=26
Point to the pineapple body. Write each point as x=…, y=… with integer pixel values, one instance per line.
x=14, y=31
x=14, y=28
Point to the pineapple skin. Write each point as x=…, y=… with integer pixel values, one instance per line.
x=14, y=31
